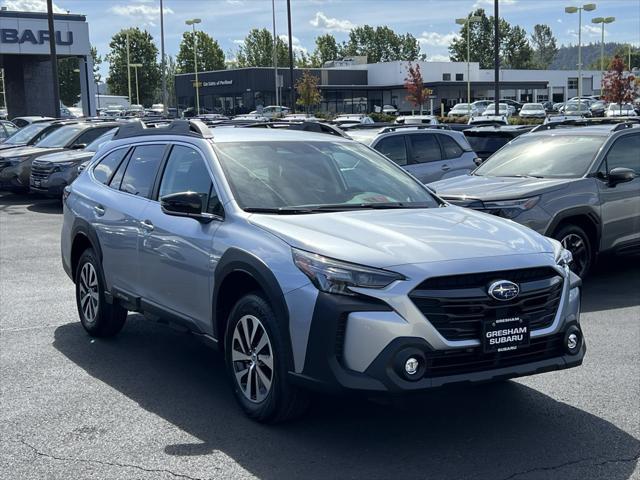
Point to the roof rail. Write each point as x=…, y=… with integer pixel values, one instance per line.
x=418, y=126
x=630, y=123
x=136, y=128
x=586, y=122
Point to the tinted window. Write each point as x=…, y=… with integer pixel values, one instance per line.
x=393, y=148
x=103, y=171
x=141, y=170
x=187, y=172
x=425, y=148
x=90, y=135
x=450, y=147
x=62, y=136
x=625, y=153
x=487, y=143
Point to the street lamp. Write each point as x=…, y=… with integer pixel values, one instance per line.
x=135, y=68
x=602, y=20
x=587, y=7
x=193, y=23
x=467, y=21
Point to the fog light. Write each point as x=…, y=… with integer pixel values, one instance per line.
x=411, y=366
x=572, y=341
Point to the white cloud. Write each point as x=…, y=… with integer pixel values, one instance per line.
x=439, y=58
x=295, y=43
x=436, y=39
x=235, y=2
x=30, y=6
x=489, y=3
x=587, y=30
x=140, y=11
x=331, y=24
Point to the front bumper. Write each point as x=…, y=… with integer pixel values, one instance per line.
x=52, y=185
x=361, y=344
x=13, y=178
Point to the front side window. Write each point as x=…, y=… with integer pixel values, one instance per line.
x=393, y=148
x=141, y=170
x=320, y=175
x=425, y=148
x=625, y=153
x=186, y=172
x=103, y=171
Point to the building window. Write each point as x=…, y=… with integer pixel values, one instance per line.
x=459, y=77
x=446, y=77
x=572, y=83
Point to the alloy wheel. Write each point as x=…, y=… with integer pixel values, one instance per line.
x=88, y=290
x=252, y=358
x=579, y=250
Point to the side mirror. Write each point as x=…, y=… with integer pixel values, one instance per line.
x=620, y=175
x=79, y=146
x=185, y=204
x=478, y=161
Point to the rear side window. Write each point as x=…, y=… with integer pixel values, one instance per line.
x=425, y=148
x=104, y=170
x=450, y=147
x=141, y=170
x=625, y=153
x=393, y=148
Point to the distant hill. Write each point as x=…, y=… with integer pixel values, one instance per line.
x=567, y=57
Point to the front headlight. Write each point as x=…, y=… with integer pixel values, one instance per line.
x=564, y=258
x=334, y=276
x=511, y=208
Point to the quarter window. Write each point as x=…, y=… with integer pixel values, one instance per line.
x=624, y=154
x=425, y=148
x=104, y=170
x=450, y=147
x=141, y=170
x=393, y=148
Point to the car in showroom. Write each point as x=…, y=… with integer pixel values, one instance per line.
x=577, y=184
x=314, y=264
x=52, y=172
x=532, y=110
x=15, y=164
x=429, y=153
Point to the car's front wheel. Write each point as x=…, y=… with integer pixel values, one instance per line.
x=99, y=318
x=255, y=357
x=574, y=239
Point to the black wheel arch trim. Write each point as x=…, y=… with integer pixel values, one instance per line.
x=585, y=211
x=82, y=227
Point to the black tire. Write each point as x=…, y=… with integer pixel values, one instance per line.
x=574, y=239
x=99, y=318
x=282, y=400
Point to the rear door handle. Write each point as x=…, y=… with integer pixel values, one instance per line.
x=147, y=225
x=99, y=209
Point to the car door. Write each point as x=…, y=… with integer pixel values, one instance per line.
x=426, y=162
x=620, y=204
x=457, y=161
x=176, y=252
x=118, y=213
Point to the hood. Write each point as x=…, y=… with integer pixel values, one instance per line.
x=67, y=156
x=7, y=146
x=386, y=238
x=27, y=151
x=496, y=188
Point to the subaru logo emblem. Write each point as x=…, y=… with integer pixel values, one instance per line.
x=503, y=290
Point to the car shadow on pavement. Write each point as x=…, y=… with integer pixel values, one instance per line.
x=613, y=283
x=496, y=431
x=34, y=203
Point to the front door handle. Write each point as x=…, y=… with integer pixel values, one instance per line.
x=446, y=167
x=99, y=209
x=147, y=225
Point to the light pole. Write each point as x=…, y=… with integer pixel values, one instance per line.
x=602, y=20
x=275, y=48
x=587, y=7
x=135, y=68
x=193, y=23
x=128, y=68
x=468, y=21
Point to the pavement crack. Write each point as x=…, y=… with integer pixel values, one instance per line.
x=106, y=463
x=574, y=462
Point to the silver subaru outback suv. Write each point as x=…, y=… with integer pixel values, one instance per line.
x=314, y=263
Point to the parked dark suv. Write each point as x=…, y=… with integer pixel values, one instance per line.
x=579, y=185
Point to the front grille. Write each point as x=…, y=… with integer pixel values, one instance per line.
x=454, y=362
x=457, y=305
x=41, y=171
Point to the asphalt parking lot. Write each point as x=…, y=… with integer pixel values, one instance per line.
x=154, y=403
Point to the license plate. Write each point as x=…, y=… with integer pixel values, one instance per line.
x=505, y=334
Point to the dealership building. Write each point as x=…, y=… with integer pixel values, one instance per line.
x=354, y=86
x=25, y=60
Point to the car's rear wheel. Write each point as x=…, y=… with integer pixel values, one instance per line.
x=255, y=357
x=99, y=318
x=574, y=239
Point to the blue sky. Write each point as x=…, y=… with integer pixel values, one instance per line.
x=431, y=21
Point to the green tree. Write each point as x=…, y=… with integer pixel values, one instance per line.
x=327, y=49
x=621, y=51
x=210, y=55
x=69, y=80
x=142, y=50
x=544, y=46
x=171, y=69
x=257, y=50
x=382, y=44
x=481, y=40
x=518, y=54
x=97, y=61
x=307, y=90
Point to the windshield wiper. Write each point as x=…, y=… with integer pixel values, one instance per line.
x=279, y=210
x=338, y=207
x=521, y=176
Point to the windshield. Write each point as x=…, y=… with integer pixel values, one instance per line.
x=460, y=106
x=100, y=141
x=543, y=156
x=320, y=175
x=61, y=137
x=502, y=106
x=532, y=107
x=26, y=134
x=616, y=106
